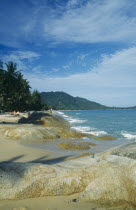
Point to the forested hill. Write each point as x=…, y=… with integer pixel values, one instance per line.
x=64, y=101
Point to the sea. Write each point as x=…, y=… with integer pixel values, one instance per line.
x=118, y=123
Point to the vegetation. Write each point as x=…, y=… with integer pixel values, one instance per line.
x=64, y=101
x=15, y=91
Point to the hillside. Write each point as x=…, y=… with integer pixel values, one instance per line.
x=64, y=101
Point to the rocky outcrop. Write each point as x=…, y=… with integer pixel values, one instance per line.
x=106, y=179
x=113, y=181
x=41, y=126
x=46, y=119
x=29, y=132
x=127, y=150
x=75, y=145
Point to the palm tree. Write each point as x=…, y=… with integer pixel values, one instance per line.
x=9, y=84
x=15, y=90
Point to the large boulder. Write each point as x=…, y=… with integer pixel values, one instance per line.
x=108, y=179
x=126, y=150
x=27, y=132
x=46, y=119
x=113, y=181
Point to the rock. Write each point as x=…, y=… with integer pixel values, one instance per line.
x=20, y=181
x=29, y=132
x=66, y=133
x=113, y=183
x=20, y=208
x=106, y=137
x=74, y=146
x=109, y=179
x=46, y=119
x=127, y=150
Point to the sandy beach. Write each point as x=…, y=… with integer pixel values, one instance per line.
x=12, y=151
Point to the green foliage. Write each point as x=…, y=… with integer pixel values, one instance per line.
x=36, y=102
x=15, y=91
x=64, y=101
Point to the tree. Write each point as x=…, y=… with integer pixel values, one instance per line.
x=15, y=91
x=1, y=84
x=23, y=94
x=9, y=86
x=37, y=103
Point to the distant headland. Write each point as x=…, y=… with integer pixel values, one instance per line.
x=62, y=101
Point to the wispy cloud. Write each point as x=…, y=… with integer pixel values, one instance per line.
x=21, y=22
x=81, y=59
x=78, y=21
x=112, y=81
x=95, y=21
x=20, y=55
x=23, y=59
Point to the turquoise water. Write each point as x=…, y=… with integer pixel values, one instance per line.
x=117, y=123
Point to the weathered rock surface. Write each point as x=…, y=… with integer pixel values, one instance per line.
x=75, y=146
x=46, y=119
x=105, y=179
x=36, y=132
x=127, y=150
x=41, y=126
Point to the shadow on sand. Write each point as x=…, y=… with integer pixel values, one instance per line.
x=43, y=160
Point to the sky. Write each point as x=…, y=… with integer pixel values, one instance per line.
x=86, y=48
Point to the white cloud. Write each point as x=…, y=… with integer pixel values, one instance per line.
x=55, y=69
x=20, y=58
x=73, y=3
x=66, y=67
x=112, y=82
x=20, y=55
x=81, y=59
x=95, y=21
x=80, y=21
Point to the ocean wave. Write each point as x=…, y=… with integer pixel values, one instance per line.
x=73, y=120
x=59, y=112
x=98, y=133
x=70, y=119
x=128, y=135
x=87, y=130
x=82, y=129
x=62, y=114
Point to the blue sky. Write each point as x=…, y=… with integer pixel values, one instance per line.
x=86, y=48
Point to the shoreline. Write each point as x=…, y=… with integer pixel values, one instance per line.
x=61, y=193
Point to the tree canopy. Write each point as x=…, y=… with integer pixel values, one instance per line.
x=15, y=91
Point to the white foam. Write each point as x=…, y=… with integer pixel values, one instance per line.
x=82, y=129
x=59, y=112
x=98, y=133
x=87, y=130
x=74, y=120
x=128, y=135
x=70, y=119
